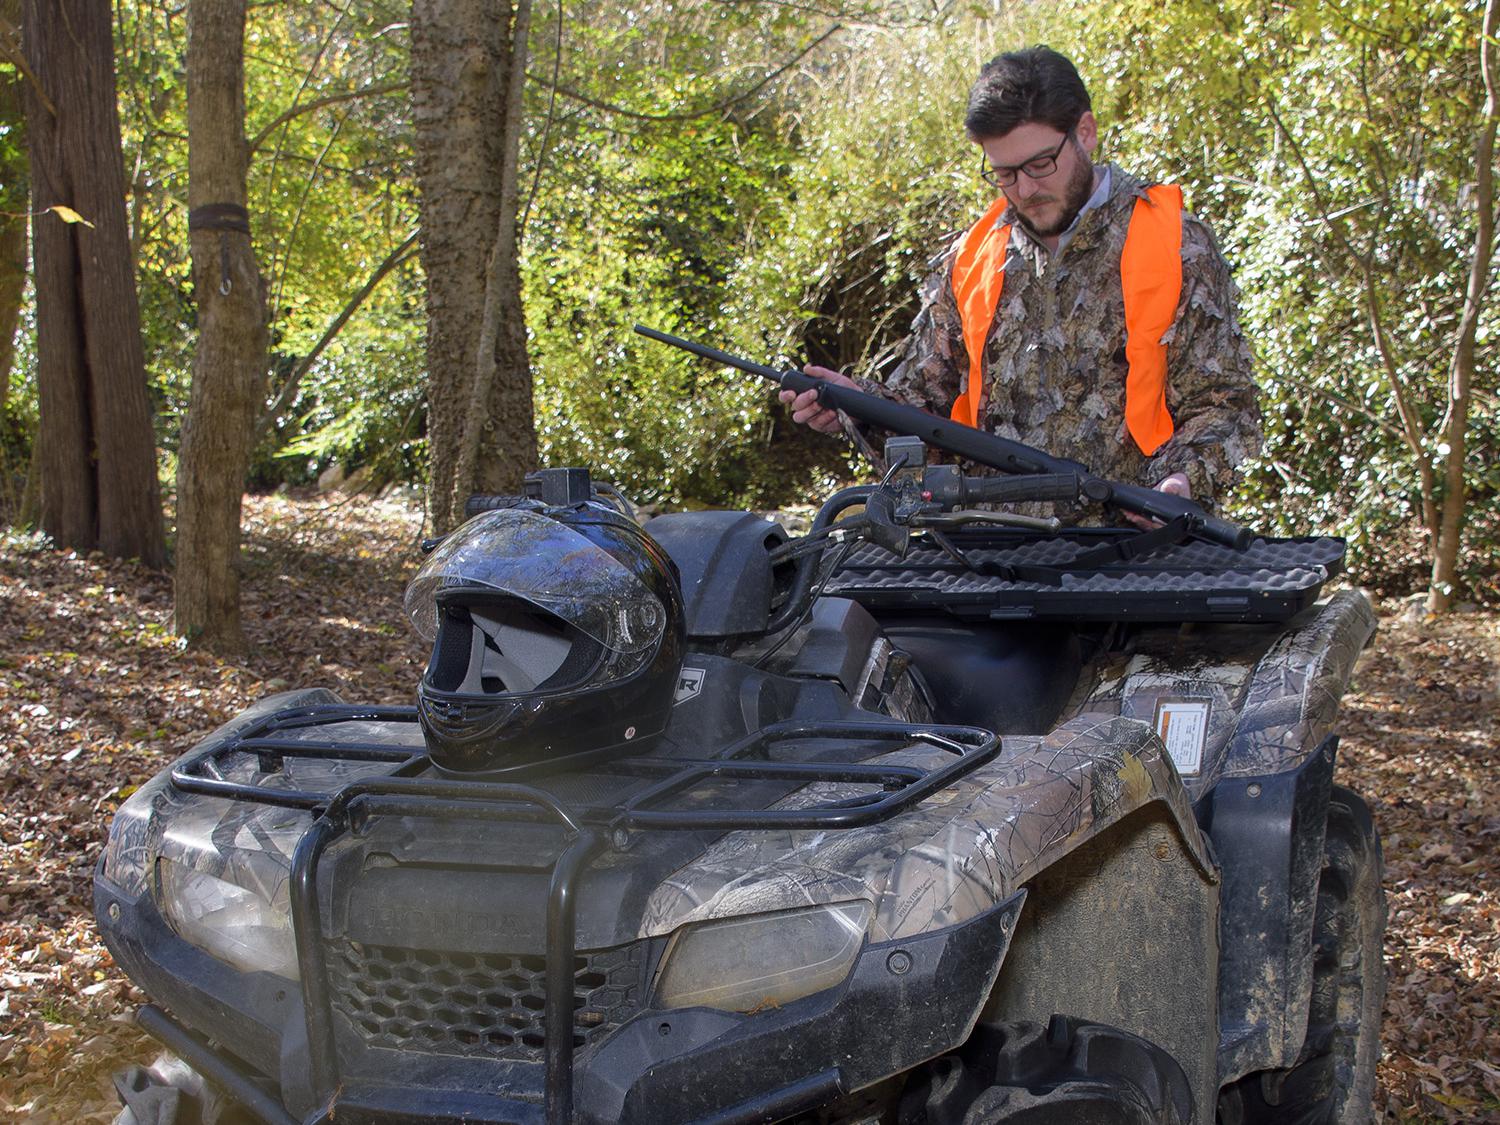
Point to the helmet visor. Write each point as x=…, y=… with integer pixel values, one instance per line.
x=536, y=558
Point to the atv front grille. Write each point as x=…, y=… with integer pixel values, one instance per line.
x=488, y=1005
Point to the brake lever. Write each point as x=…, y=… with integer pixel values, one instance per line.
x=928, y=522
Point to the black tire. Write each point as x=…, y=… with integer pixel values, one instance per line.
x=1333, y=1081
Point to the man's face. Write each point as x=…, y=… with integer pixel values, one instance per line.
x=1046, y=205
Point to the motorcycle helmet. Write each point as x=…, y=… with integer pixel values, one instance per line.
x=557, y=636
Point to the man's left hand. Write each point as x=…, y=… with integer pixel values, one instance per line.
x=1174, y=485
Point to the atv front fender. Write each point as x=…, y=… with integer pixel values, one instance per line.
x=956, y=855
x=905, y=1002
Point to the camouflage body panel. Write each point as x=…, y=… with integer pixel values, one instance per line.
x=1273, y=694
x=1293, y=699
x=1056, y=365
x=959, y=853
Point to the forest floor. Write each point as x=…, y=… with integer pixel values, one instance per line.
x=96, y=696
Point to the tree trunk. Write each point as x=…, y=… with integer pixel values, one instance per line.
x=97, y=449
x=1461, y=369
x=15, y=202
x=468, y=64
x=229, y=363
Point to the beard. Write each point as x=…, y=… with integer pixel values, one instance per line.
x=1075, y=193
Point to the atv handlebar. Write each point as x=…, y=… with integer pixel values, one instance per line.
x=975, y=445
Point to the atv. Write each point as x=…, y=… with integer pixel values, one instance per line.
x=937, y=813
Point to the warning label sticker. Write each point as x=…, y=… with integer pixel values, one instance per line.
x=1182, y=725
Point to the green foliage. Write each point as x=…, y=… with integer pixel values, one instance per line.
x=726, y=172
x=18, y=424
x=882, y=176
x=645, y=220
x=330, y=195
x=362, y=401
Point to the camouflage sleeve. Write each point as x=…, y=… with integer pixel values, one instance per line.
x=928, y=370
x=1211, y=390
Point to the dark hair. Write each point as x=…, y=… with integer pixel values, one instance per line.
x=1018, y=87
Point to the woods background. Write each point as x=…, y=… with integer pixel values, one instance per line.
x=404, y=243
x=771, y=176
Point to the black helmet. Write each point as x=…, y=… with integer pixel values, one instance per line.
x=557, y=633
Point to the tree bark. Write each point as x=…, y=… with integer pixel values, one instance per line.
x=229, y=362
x=1455, y=428
x=15, y=202
x=468, y=67
x=96, y=446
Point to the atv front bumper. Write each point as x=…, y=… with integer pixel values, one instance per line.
x=904, y=1002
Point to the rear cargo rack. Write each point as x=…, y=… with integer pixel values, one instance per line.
x=411, y=787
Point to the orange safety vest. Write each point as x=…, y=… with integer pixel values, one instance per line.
x=1150, y=277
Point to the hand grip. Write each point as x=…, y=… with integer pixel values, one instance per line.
x=1015, y=490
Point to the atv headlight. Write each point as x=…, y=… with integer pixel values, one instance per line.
x=760, y=960
x=230, y=922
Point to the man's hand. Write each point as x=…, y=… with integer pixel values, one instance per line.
x=1174, y=485
x=806, y=409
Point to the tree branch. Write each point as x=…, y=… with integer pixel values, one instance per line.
x=541, y=152
x=1411, y=423
x=291, y=234
x=307, y=77
x=10, y=50
x=717, y=107
x=298, y=110
x=288, y=393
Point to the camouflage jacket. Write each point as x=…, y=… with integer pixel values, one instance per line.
x=1056, y=364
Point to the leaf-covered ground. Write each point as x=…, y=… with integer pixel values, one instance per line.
x=96, y=695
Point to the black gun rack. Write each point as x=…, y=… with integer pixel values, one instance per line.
x=1093, y=574
x=590, y=828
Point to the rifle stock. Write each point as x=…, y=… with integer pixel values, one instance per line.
x=975, y=445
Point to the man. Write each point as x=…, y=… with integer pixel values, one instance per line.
x=1102, y=314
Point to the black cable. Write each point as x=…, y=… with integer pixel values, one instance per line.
x=812, y=601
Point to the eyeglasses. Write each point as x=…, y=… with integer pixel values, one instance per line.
x=1037, y=168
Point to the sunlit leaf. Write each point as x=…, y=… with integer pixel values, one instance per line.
x=68, y=215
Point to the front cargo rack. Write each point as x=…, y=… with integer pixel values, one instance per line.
x=1091, y=574
x=412, y=787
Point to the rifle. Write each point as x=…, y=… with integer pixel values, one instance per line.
x=982, y=448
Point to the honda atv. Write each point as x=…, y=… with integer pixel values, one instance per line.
x=937, y=813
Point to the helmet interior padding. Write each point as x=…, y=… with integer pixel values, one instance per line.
x=507, y=649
